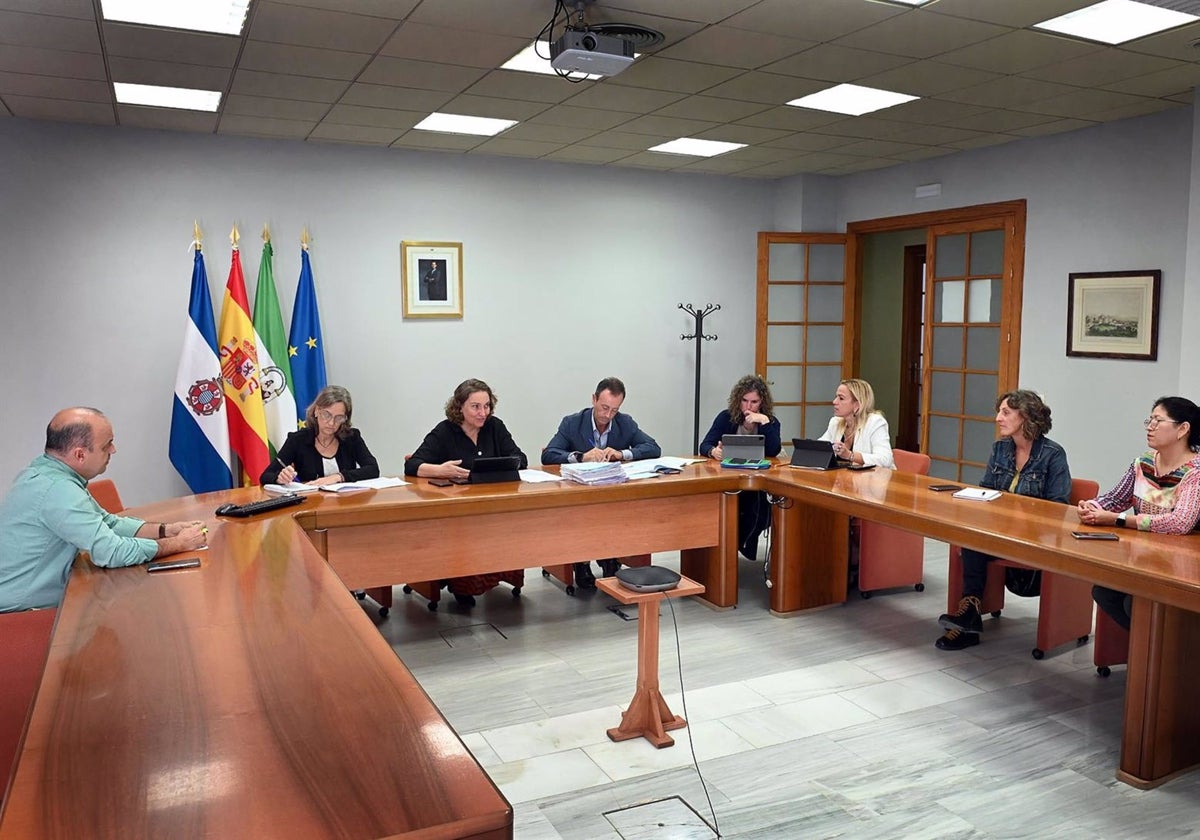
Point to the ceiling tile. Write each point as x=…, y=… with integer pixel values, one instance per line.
x=762, y=154
x=364, y=134
x=425, y=75
x=657, y=160
x=983, y=141
x=347, y=115
x=130, y=41
x=927, y=78
x=1174, y=43
x=807, y=142
x=268, y=107
x=60, y=8
x=1082, y=102
x=768, y=88
x=720, y=165
x=932, y=135
x=523, y=18
x=732, y=47
x=1102, y=68
x=515, y=148
x=919, y=34
x=706, y=11
x=388, y=9
x=832, y=63
x=741, y=134
x=925, y=153
x=486, y=106
x=298, y=61
x=787, y=118
x=865, y=127
x=66, y=110
x=1162, y=83
x=668, y=74
x=670, y=126
x=571, y=116
x=142, y=72
x=711, y=108
x=937, y=111
x=531, y=87
x=168, y=119
x=624, y=140
x=999, y=120
x=614, y=98
x=1133, y=109
x=877, y=148
x=816, y=20
x=1007, y=92
x=1015, y=13
x=782, y=169
x=265, y=126
x=1052, y=127
x=55, y=87
x=50, y=32
x=437, y=141
x=282, y=86
x=587, y=154
x=40, y=62
x=386, y=96
x=1019, y=51
x=542, y=132
x=331, y=30
x=436, y=43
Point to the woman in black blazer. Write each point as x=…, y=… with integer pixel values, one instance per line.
x=327, y=450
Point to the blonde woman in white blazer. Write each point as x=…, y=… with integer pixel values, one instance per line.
x=858, y=432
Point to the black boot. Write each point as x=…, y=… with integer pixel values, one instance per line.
x=584, y=579
x=467, y=601
x=966, y=618
x=608, y=568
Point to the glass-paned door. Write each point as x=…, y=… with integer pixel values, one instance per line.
x=968, y=340
x=801, y=334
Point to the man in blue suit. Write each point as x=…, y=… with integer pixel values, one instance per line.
x=599, y=433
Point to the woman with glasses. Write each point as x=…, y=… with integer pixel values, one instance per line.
x=328, y=450
x=1023, y=461
x=1162, y=486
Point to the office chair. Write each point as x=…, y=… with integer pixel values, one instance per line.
x=889, y=557
x=1111, y=645
x=26, y=638
x=104, y=491
x=1065, y=609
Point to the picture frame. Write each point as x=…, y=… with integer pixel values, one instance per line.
x=431, y=279
x=1113, y=314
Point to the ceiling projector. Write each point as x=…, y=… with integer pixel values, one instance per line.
x=581, y=51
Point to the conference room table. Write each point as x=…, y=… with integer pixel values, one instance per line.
x=178, y=704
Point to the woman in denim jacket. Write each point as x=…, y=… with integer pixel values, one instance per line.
x=1023, y=461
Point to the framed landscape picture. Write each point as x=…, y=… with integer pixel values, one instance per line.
x=431, y=279
x=1113, y=314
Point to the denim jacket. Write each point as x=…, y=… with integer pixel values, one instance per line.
x=1046, y=474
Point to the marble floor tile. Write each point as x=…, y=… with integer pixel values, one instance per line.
x=638, y=757
x=918, y=691
x=665, y=819
x=793, y=721
x=924, y=733
x=715, y=702
x=544, y=775
x=542, y=737
x=805, y=683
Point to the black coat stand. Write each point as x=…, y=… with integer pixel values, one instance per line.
x=699, y=336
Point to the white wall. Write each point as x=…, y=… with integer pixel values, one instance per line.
x=571, y=273
x=1112, y=197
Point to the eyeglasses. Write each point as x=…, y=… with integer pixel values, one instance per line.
x=326, y=417
x=1152, y=422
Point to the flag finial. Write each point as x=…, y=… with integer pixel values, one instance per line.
x=197, y=238
x=305, y=238
x=234, y=237
x=266, y=234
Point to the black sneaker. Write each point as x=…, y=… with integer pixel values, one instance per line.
x=956, y=640
x=608, y=568
x=584, y=579
x=966, y=618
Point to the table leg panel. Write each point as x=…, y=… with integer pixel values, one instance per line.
x=715, y=566
x=810, y=557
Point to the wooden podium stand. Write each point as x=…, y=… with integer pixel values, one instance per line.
x=647, y=716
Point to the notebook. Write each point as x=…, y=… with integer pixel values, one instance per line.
x=814, y=455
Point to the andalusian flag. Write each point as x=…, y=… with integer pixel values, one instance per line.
x=306, y=349
x=276, y=378
x=199, y=444
x=241, y=375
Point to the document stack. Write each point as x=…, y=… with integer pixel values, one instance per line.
x=596, y=473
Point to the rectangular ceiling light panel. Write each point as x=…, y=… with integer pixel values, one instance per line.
x=226, y=17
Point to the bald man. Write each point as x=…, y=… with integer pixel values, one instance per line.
x=49, y=516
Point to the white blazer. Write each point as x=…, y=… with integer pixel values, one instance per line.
x=874, y=442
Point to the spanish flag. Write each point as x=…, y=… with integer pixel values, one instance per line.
x=240, y=374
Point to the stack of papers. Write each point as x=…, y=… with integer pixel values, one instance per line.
x=366, y=484
x=284, y=489
x=608, y=472
x=978, y=494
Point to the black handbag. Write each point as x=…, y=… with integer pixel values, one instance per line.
x=1024, y=582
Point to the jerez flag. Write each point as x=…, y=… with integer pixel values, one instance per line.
x=306, y=349
x=199, y=446
x=276, y=380
x=241, y=375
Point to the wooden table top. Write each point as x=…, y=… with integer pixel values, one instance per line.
x=248, y=698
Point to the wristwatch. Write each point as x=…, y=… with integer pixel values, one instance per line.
x=162, y=530
x=1121, y=520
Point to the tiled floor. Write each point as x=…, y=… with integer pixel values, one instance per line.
x=845, y=722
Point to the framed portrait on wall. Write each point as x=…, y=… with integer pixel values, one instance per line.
x=431, y=279
x=1113, y=314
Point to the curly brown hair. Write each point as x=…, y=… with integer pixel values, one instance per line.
x=1035, y=414
x=462, y=393
x=748, y=383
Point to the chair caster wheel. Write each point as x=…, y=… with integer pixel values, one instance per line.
x=407, y=589
x=1082, y=640
x=1039, y=654
x=1103, y=670
x=432, y=606
x=920, y=587
x=516, y=592
x=571, y=591
x=996, y=614
x=545, y=573
x=383, y=612
x=360, y=594
x=864, y=595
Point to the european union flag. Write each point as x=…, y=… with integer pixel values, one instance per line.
x=306, y=349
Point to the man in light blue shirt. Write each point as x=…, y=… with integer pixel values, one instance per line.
x=49, y=516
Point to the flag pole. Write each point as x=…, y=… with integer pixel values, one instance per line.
x=197, y=238
x=234, y=237
x=304, y=238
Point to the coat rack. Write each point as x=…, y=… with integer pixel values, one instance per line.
x=699, y=336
